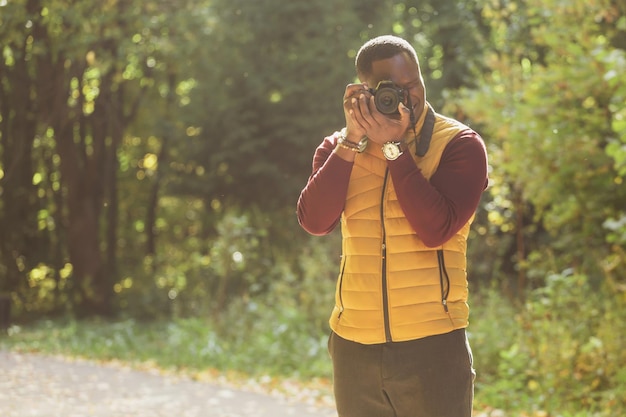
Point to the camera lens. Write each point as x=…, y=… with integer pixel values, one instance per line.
x=386, y=100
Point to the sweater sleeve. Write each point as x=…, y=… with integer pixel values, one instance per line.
x=438, y=208
x=322, y=200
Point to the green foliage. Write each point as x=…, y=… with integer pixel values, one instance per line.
x=192, y=125
x=274, y=95
x=562, y=352
x=449, y=37
x=277, y=345
x=549, y=112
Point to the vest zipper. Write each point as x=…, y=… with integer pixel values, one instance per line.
x=384, y=260
x=343, y=267
x=445, y=287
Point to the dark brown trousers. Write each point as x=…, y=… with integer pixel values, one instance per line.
x=429, y=377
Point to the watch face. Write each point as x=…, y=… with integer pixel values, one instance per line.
x=391, y=150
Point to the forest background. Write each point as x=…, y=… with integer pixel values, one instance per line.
x=152, y=152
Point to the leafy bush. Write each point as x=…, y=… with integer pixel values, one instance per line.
x=493, y=333
x=564, y=351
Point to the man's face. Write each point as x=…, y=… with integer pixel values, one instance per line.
x=405, y=74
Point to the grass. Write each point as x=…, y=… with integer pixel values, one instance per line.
x=559, y=355
x=187, y=347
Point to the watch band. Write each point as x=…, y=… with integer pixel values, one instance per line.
x=343, y=142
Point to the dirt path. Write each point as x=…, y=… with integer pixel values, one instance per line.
x=44, y=386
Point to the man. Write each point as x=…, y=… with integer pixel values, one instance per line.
x=404, y=183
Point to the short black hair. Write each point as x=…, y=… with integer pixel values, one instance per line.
x=382, y=47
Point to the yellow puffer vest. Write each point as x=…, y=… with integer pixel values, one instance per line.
x=391, y=286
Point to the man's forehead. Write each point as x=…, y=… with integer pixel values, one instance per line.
x=399, y=69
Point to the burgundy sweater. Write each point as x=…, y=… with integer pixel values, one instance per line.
x=436, y=209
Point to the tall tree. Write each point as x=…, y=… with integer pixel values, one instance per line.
x=450, y=38
x=272, y=80
x=72, y=67
x=548, y=107
x=19, y=204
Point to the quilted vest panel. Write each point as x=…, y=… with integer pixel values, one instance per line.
x=400, y=297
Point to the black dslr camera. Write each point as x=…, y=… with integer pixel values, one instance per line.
x=387, y=97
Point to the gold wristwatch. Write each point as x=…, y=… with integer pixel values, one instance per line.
x=392, y=150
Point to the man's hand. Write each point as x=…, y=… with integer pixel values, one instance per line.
x=362, y=117
x=354, y=131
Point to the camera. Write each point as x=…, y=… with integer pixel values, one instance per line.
x=387, y=97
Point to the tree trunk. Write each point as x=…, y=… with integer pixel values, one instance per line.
x=18, y=196
x=81, y=173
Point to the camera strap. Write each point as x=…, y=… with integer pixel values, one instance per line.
x=426, y=133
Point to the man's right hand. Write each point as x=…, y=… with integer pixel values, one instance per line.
x=354, y=131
